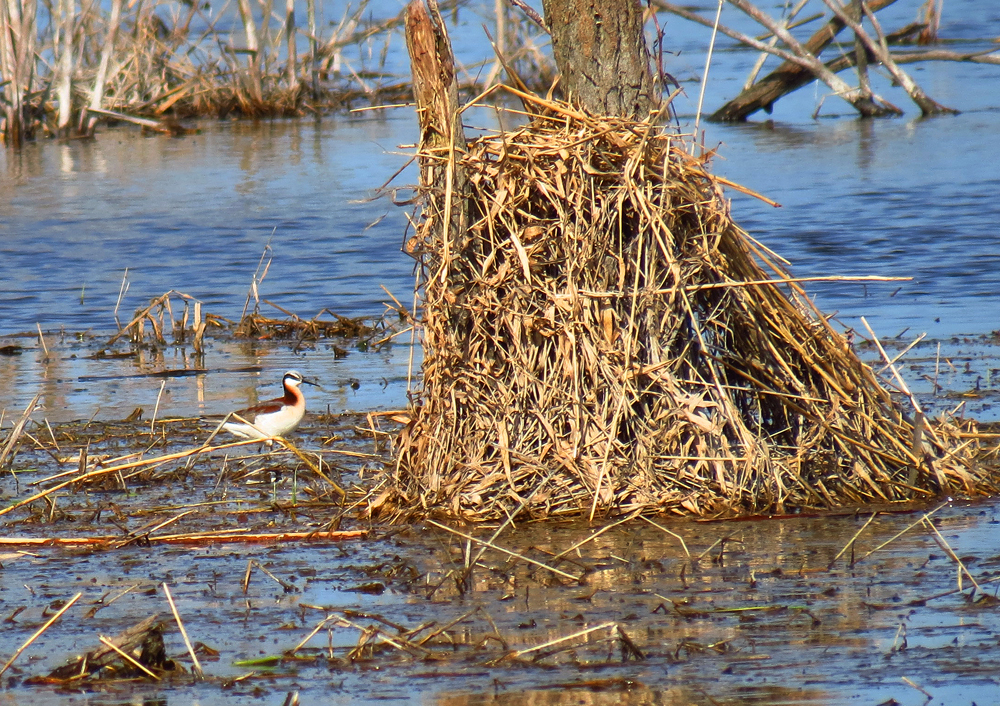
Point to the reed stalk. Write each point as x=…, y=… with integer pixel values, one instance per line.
x=313, y=44
x=97, y=94
x=17, y=52
x=252, y=48
x=291, y=72
x=64, y=64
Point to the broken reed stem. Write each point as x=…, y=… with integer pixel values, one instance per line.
x=128, y=658
x=313, y=633
x=196, y=665
x=38, y=633
x=922, y=690
x=41, y=341
x=503, y=526
x=893, y=538
x=147, y=533
x=852, y=540
x=16, y=431
x=254, y=293
x=899, y=356
x=398, y=642
x=312, y=466
x=508, y=552
x=566, y=638
x=672, y=534
x=895, y=373
x=595, y=535
x=156, y=407
x=943, y=543
x=704, y=77
x=284, y=584
x=239, y=535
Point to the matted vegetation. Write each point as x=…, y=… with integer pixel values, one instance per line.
x=604, y=338
x=63, y=68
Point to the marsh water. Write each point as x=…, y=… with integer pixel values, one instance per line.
x=758, y=619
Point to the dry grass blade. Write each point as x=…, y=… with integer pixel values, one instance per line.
x=312, y=466
x=38, y=633
x=313, y=633
x=590, y=538
x=508, y=552
x=564, y=639
x=128, y=658
x=850, y=544
x=672, y=534
x=923, y=518
x=196, y=665
x=943, y=543
x=231, y=536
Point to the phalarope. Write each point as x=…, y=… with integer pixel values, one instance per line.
x=275, y=417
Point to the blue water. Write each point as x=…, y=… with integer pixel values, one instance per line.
x=901, y=197
x=195, y=214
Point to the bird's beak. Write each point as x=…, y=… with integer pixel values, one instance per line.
x=307, y=381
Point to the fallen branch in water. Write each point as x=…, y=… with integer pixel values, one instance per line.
x=192, y=538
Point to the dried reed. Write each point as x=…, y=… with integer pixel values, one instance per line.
x=182, y=59
x=604, y=329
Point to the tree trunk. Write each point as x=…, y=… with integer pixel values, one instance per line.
x=292, y=68
x=601, y=53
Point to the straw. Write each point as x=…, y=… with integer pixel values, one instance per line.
x=180, y=624
x=38, y=633
x=604, y=328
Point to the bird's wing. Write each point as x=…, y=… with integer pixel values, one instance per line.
x=269, y=407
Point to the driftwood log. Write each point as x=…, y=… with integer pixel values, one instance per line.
x=801, y=65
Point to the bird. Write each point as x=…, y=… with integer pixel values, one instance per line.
x=275, y=417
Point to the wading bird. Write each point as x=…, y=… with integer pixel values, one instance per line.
x=275, y=417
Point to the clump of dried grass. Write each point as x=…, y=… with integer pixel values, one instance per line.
x=604, y=338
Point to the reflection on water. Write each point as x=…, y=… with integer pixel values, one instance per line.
x=194, y=214
x=73, y=384
x=626, y=692
x=760, y=612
